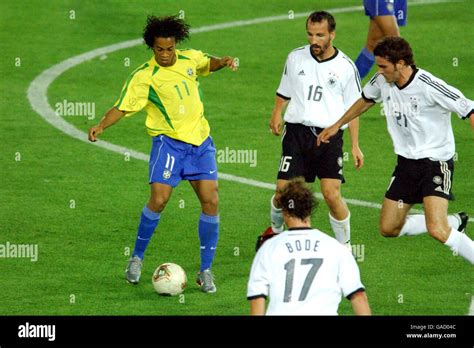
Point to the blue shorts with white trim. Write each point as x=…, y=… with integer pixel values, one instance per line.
x=397, y=8
x=172, y=161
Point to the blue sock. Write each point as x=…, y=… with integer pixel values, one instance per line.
x=148, y=222
x=364, y=62
x=208, y=235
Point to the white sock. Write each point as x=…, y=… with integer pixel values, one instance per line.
x=461, y=244
x=453, y=222
x=341, y=229
x=416, y=224
x=276, y=217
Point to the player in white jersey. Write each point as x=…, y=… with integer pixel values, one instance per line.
x=319, y=83
x=303, y=271
x=418, y=107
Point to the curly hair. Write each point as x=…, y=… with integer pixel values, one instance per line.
x=394, y=49
x=297, y=199
x=170, y=26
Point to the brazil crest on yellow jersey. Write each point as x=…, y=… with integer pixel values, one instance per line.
x=170, y=96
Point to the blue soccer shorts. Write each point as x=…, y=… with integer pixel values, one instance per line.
x=397, y=8
x=172, y=161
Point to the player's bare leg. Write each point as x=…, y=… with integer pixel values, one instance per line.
x=392, y=217
x=160, y=194
x=375, y=34
x=339, y=215
x=379, y=27
x=395, y=221
x=436, y=213
x=207, y=192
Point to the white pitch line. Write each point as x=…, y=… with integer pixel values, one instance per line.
x=471, y=308
x=37, y=93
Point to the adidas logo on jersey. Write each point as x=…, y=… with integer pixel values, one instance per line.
x=439, y=189
x=301, y=73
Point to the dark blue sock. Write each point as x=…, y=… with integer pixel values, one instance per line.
x=364, y=62
x=148, y=222
x=208, y=235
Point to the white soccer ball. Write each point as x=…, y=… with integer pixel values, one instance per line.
x=169, y=279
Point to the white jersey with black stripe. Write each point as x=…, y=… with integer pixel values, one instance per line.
x=320, y=91
x=304, y=272
x=419, y=114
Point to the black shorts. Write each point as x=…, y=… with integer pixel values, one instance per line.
x=412, y=180
x=302, y=157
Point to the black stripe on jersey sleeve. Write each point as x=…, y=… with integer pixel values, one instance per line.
x=374, y=78
x=367, y=99
x=443, y=87
x=469, y=114
x=356, y=73
x=257, y=296
x=439, y=87
x=354, y=292
x=282, y=96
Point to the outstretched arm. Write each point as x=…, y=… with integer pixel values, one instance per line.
x=111, y=117
x=219, y=63
x=358, y=108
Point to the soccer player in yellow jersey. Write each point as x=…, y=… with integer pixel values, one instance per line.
x=166, y=87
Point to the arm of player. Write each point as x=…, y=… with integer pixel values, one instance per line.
x=219, y=63
x=111, y=117
x=257, y=306
x=276, y=121
x=358, y=108
x=360, y=303
x=471, y=119
x=356, y=152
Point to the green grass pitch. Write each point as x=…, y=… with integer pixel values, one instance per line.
x=80, y=203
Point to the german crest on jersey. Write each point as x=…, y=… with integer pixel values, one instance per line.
x=414, y=104
x=332, y=80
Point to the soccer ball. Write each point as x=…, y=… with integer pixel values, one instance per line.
x=169, y=279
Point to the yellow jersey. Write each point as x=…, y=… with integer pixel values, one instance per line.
x=171, y=97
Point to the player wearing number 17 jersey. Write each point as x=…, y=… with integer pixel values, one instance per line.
x=319, y=83
x=418, y=107
x=167, y=88
x=303, y=271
